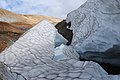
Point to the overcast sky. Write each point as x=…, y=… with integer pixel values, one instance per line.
x=56, y=8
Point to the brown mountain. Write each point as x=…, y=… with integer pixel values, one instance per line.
x=13, y=25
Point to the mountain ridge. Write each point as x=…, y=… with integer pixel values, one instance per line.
x=13, y=25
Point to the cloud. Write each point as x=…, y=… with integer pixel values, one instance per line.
x=57, y=8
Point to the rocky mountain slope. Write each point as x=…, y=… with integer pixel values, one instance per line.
x=21, y=19
x=12, y=25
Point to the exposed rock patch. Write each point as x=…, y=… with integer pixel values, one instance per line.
x=63, y=29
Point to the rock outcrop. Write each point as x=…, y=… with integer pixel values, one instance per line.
x=63, y=29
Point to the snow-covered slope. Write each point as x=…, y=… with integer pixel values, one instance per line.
x=95, y=25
